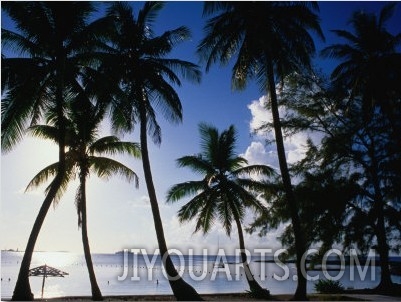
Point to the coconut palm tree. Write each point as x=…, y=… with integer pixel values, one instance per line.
x=270, y=40
x=222, y=193
x=53, y=43
x=84, y=155
x=371, y=65
x=138, y=63
x=371, y=72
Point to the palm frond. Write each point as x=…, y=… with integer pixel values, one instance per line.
x=45, y=132
x=43, y=176
x=165, y=99
x=206, y=215
x=196, y=163
x=185, y=189
x=261, y=170
x=386, y=13
x=51, y=172
x=105, y=168
x=225, y=213
x=17, y=43
x=187, y=70
x=192, y=208
x=111, y=145
x=148, y=14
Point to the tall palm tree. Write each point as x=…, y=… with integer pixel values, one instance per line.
x=371, y=72
x=54, y=43
x=271, y=40
x=371, y=65
x=138, y=63
x=222, y=194
x=84, y=156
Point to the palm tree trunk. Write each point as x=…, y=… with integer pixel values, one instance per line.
x=254, y=286
x=182, y=290
x=300, y=293
x=96, y=294
x=383, y=249
x=22, y=290
x=380, y=229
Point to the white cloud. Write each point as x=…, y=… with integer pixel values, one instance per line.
x=144, y=202
x=260, y=153
x=258, y=111
x=182, y=236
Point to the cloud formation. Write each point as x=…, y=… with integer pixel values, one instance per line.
x=259, y=152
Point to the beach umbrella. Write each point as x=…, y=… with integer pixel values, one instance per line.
x=46, y=271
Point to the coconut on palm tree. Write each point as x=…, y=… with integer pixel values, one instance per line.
x=223, y=193
x=53, y=45
x=85, y=155
x=270, y=40
x=370, y=72
x=138, y=62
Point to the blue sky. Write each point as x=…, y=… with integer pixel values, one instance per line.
x=119, y=216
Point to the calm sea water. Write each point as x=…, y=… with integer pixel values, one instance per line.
x=109, y=267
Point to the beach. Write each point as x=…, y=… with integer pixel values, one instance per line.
x=238, y=297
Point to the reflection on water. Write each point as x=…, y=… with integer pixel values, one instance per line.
x=109, y=267
x=55, y=259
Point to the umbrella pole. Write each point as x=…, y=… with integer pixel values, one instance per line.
x=42, y=271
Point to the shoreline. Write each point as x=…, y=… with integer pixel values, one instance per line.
x=346, y=296
x=206, y=297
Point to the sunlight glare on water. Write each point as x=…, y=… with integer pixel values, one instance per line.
x=55, y=259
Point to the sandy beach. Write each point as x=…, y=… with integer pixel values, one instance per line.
x=206, y=297
x=238, y=297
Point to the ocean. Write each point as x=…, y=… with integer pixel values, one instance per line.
x=144, y=275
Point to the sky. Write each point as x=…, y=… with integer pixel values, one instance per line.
x=119, y=216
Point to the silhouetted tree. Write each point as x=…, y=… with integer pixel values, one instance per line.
x=270, y=40
x=138, y=62
x=223, y=193
x=54, y=44
x=84, y=155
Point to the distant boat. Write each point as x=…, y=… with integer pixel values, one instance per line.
x=127, y=251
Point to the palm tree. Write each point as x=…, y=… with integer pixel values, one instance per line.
x=138, y=63
x=370, y=66
x=271, y=40
x=221, y=193
x=370, y=72
x=54, y=44
x=84, y=156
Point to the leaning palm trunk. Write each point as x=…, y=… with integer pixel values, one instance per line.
x=300, y=293
x=22, y=290
x=255, y=289
x=182, y=290
x=96, y=294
